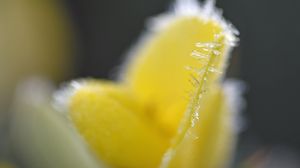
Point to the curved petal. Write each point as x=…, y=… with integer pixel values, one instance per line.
x=156, y=71
x=209, y=142
x=111, y=121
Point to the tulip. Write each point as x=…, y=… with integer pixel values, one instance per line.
x=170, y=108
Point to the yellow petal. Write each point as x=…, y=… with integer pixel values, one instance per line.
x=208, y=142
x=108, y=117
x=157, y=71
x=157, y=76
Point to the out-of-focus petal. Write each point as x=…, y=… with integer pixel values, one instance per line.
x=41, y=136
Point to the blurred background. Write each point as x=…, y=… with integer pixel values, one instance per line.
x=89, y=38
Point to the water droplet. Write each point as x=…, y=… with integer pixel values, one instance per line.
x=196, y=115
x=189, y=68
x=214, y=70
x=206, y=49
x=192, y=135
x=199, y=55
x=216, y=52
x=198, y=71
x=210, y=45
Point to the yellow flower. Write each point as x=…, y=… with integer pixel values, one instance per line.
x=169, y=108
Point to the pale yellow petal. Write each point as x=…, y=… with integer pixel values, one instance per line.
x=41, y=137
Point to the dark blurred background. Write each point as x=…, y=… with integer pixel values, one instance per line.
x=267, y=58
